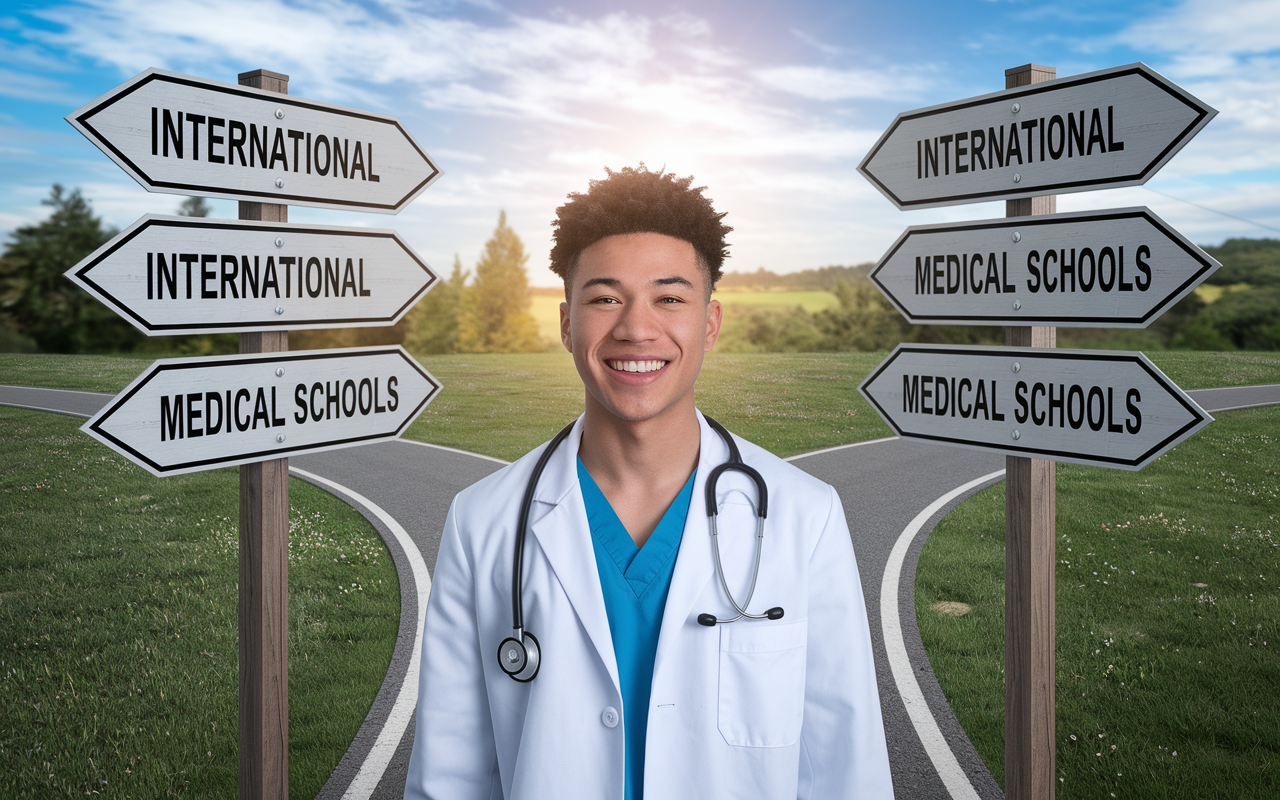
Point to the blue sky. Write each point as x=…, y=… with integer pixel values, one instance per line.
x=771, y=105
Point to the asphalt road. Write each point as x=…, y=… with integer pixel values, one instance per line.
x=885, y=486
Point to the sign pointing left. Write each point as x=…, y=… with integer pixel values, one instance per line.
x=191, y=414
x=184, y=135
x=173, y=275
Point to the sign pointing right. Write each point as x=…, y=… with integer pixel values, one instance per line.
x=1120, y=268
x=1109, y=409
x=1115, y=127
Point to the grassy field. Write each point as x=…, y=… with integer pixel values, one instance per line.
x=502, y=405
x=118, y=622
x=1168, y=642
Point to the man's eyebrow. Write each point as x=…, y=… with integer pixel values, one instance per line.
x=614, y=283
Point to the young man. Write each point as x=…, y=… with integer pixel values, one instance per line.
x=636, y=676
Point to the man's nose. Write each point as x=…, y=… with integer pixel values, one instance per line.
x=637, y=323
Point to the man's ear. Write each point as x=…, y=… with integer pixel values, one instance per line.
x=715, y=315
x=564, y=327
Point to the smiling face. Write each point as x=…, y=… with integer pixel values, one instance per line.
x=638, y=322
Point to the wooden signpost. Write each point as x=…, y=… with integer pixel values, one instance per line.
x=1110, y=128
x=259, y=276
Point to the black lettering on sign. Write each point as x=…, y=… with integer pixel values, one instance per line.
x=212, y=157
x=193, y=414
x=171, y=418
x=210, y=426
x=196, y=121
x=236, y=135
x=241, y=395
x=207, y=275
x=391, y=390
x=296, y=136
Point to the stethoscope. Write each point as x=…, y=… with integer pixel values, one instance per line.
x=520, y=655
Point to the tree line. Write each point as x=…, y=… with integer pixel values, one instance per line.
x=486, y=310
x=42, y=311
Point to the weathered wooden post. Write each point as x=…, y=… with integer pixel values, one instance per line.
x=264, y=571
x=1030, y=494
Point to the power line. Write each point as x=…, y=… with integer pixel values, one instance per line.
x=1213, y=210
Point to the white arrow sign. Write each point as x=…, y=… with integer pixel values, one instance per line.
x=170, y=275
x=1110, y=409
x=1115, y=127
x=185, y=135
x=1120, y=268
x=191, y=414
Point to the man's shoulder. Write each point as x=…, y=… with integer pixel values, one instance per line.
x=507, y=485
x=775, y=469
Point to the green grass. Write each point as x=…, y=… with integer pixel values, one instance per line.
x=118, y=621
x=1168, y=642
x=810, y=301
x=503, y=405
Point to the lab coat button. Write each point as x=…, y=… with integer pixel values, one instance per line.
x=610, y=717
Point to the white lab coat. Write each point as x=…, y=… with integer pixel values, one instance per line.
x=754, y=709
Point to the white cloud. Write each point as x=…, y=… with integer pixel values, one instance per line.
x=823, y=83
x=1211, y=27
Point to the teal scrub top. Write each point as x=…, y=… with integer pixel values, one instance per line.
x=635, y=581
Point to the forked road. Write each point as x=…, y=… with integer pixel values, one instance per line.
x=894, y=492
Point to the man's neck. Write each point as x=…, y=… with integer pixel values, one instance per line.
x=640, y=466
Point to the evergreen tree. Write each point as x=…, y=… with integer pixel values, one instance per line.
x=433, y=323
x=47, y=307
x=494, y=314
x=195, y=207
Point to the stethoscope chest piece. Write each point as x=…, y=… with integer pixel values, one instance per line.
x=520, y=659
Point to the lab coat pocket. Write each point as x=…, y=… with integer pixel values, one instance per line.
x=762, y=672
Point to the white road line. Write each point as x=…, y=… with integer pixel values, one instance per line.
x=47, y=389
x=841, y=447
x=453, y=450
x=944, y=761
x=50, y=410
x=375, y=763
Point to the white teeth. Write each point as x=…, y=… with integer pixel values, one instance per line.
x=637, y=366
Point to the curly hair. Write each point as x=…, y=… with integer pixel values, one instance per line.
x=639, y=201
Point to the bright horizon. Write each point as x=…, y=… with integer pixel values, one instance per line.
x=770, y=105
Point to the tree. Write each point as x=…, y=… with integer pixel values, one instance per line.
x=494, y=314
x=195, y=207
x=433, y=323
x=44, y=305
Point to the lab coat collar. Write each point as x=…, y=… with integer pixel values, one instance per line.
x=559, y=524
x=565, y=536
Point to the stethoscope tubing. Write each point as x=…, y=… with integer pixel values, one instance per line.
x=525, y=652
